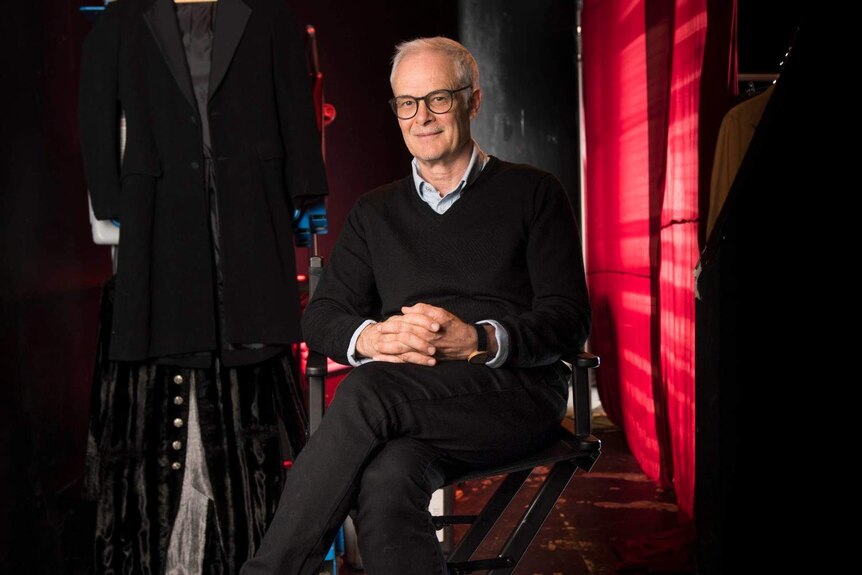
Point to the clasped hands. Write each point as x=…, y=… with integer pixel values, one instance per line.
x=424, y=334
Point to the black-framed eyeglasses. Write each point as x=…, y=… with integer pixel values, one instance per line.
x=438, y=101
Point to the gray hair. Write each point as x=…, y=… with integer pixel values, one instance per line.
x=466, y=69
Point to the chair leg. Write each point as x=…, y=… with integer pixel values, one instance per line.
x=535, y=516
x=488, y=516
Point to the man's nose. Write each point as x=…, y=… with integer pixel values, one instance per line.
x=423, y=114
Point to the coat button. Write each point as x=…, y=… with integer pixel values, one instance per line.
x=177, y=445
x=176, y=465
x=178, y=422
x=178, y=400
x=195, y=165
x=178, y=379
x=194, y=119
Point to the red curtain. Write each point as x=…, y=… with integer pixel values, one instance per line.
x=643, y=62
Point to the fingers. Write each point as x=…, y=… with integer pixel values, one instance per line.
x=416, y=324
x=401, y=342
x=434, y=313
x=421, y=333
x=409, y=357
x=453, y=338
x=396, y=338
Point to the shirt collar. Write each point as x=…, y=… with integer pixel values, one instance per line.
x=478, y=159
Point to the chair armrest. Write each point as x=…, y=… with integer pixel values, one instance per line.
x=316, y=365
x=315, y=374
x=587, y=360
x=581, y=392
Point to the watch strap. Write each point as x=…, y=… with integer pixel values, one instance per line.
x=481, y=355
x=482, y=336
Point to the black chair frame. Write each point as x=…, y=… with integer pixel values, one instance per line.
x=570, y=452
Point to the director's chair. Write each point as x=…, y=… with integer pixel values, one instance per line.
x=571, y=451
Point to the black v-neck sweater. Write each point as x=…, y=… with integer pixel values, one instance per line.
x=508, y=250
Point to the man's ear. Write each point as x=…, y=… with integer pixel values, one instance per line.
x=475, y=102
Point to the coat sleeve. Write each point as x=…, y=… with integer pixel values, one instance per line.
x=99, y=114
x=558, y=321
x=304, y=171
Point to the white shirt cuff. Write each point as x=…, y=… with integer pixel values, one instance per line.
x=351, y=349
x=502, y=343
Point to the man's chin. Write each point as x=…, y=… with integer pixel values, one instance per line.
x=427, y=155
x=427, y=150
x=429, y=159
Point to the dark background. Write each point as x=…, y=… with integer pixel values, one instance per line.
x=51, y=272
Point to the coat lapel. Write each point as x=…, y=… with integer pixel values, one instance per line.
x=231, y=18
x=162, y=21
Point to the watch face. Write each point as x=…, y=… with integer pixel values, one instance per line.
x=479, y=357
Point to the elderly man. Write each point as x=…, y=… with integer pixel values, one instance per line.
x=454, y=291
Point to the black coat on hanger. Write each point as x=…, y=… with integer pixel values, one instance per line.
x=266, y=150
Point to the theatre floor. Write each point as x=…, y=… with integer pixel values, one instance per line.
x=611, y=520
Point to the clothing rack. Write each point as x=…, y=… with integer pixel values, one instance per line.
x=758, y=77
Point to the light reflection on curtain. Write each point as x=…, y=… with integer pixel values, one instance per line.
x=617, y=204
x=679, y=246
x=641, y=99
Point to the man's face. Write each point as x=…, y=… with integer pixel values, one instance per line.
x=435, y=139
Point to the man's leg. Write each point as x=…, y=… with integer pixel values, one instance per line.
x=472, y=414
x=394, y=527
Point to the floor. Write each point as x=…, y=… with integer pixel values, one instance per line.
x=610, y=520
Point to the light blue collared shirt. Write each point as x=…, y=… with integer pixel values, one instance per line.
x=431, y=196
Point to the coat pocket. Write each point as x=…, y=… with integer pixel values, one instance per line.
x=146, y=166
x=270, y=150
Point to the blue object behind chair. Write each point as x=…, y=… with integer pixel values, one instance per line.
x=309, y=221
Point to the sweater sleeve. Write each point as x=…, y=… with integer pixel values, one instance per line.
x=346, y=295
x=99, y=114
x=559, y=319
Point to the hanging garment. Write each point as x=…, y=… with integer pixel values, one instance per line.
x=265, y=154
x=140, y=431
x=194, y=373
x=735, y=133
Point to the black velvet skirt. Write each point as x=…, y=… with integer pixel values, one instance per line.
x=251, y=419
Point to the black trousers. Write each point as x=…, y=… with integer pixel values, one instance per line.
x=385, y=445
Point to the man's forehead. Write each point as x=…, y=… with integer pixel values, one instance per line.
x=427, y=70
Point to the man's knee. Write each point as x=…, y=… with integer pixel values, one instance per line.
x=370, y=384
x=403, y=466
